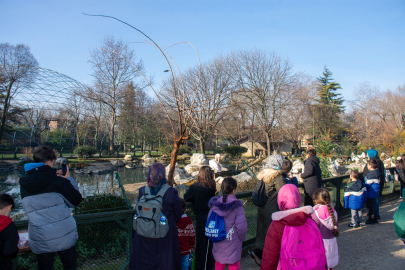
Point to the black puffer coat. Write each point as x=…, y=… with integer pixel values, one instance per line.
x=312, y=175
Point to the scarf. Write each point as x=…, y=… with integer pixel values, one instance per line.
x=156, y=177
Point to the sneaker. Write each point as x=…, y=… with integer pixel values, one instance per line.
x=352, y=225
x=360, y=224
x=370, y=221
x=401, y=197
x=377, y=217
x=375, y=220
x=254, y=257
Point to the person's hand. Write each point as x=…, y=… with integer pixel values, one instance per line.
x=60, y=173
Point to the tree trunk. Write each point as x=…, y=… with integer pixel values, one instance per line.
x=112, y=133
x=5, y=108
x=202, y=146
x=170, y=178
x=268, y=144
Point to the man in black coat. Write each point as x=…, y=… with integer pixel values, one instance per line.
x=312, y=176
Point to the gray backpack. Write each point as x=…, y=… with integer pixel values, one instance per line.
x=147, y=221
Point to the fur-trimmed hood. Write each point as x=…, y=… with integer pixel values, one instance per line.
x=223, y=209
x=268, y=175
x=293, y=217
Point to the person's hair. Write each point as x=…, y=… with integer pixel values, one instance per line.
x=286, y=166
x=206, y=177
x=311, y=152
x=322, y=196
x=6, y=200
x=399, y=164
x=228, y=185
x=183, y=205
x=372, y=163
x=44, y=153
x=355, y=174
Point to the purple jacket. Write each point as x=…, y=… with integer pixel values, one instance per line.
x=229, y=251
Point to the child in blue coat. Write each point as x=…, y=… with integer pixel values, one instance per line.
x=354, y=198
x=372, y=183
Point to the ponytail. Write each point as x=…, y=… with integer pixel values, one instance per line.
x=224, y=198
x=322, y=196
x=335, y=232
x=228, y=185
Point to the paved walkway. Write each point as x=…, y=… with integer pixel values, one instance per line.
x=369, y=247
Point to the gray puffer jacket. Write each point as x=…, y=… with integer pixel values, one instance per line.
x=47, y=200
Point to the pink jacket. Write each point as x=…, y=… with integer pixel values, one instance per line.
x=229, y=251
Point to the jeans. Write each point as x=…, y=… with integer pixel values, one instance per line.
x=371, y=208
x=184, y=262
x=402, y=189
x=357, y=216
x=67, y=257
x=377, y=206
x=220, y=266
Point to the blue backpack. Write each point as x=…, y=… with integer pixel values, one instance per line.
x=215, y=228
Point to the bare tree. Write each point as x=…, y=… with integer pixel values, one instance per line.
x=16, y=71
x=114, y=65
x=264, y=80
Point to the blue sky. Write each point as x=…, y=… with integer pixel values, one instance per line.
x=357, y=40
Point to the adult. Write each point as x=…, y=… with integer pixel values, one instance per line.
x=373, y=154
x=159, y=253
x=312, y=176
x=45, y=192
x=272, y=176
x=200, y=194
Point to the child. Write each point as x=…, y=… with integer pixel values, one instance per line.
x=293, y=230
x=288, y=178
x=372, y=183
x=8, y=233
x=185, y=229
x=354, y=198
x=229, y=250
x=326, y=218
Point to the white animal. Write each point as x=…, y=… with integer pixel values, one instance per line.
x=215, y=163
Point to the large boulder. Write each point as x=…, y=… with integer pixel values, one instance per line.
x=177, y=171
x=146, y=156
x=117, y=163
x=128, y=158
x=199, y=159
x=181, y=190
x=148, y=161
x=25, y=160
x=242, y=177
x=192, y=168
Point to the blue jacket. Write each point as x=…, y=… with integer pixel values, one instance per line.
x=355, y=195
x=372, y=183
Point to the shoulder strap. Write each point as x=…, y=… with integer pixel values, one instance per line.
x=147, y=190
x=163, y=190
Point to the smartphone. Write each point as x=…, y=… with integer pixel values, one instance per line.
x=64, y=169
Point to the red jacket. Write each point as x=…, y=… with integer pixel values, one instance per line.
x=272, y=245
x=186, y=232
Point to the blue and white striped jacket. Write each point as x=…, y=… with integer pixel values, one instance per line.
x=355, y=196
x=372, y=183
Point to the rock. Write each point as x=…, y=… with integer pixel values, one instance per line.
x=199, y=159
x=185, y=180
x=128, y=158
x=181, y=190
x=148, y=161
x=25, y=160
x=128, y=166
x=195, y=174
x=192, y=168
x=146, y=156
x=242, y=177
x=225, y=157
x=117, y=163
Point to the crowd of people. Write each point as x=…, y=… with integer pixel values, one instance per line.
x=288, y=234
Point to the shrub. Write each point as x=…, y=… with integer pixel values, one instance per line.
x=28, y=151
x=100, y=203
x=218, y=150
x=184, y=149
x=168, y=149
x=234, y=150
x=85, y=151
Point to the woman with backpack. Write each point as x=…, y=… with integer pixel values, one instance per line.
x=293, y=240
x=158, y=253
x=272, y=177
x=399, y=167
x=200, y=194
x=229, y=250
x=326, y=218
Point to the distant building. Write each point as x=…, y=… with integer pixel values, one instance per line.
x=256, y=144
x=56, y=123
x=226, y=143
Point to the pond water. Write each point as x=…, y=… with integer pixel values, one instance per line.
x=88, y=184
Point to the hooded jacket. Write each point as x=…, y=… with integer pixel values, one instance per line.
x=199, y=196
x=186, y=233
x=373, y=154
x=312, y=175
x=8, y=242
x=322, y=218
x=355, y=195
x=229, y=251
x=46, y=199
x=289, y=200
x=273, y=181
x=372, y=182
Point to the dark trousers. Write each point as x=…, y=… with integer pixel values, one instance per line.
x=401, y=190
x=201, y=245
x=67, y=257
x=371, y=208
x=308, y=199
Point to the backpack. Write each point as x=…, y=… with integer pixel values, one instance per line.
x=399, y=220
x=215, y=228
x=302, y=248
x=149, y=220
